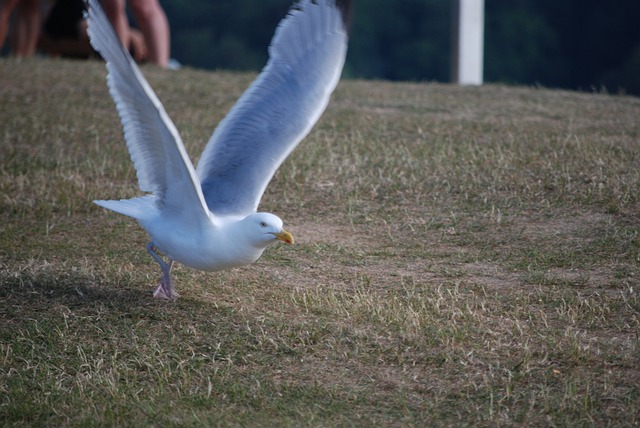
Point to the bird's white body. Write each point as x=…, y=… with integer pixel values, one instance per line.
x=218, y=245
x=206, y=218
x=213, y=243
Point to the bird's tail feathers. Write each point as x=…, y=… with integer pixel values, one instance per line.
x=138, y=208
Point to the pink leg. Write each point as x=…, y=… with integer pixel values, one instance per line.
x=165, y=288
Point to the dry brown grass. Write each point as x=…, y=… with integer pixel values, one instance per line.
x=465, y=256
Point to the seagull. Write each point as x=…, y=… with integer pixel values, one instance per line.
x=206, y=217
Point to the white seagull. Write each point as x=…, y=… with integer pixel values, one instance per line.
x=206, y=217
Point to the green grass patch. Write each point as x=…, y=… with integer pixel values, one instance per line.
x=466, y=256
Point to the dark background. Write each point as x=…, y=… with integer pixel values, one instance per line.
x=577, y=44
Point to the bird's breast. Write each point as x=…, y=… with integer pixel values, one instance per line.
x=203, y=248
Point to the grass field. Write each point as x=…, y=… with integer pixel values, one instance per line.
x=465, y=256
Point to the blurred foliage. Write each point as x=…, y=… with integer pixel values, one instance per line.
x=577, y=44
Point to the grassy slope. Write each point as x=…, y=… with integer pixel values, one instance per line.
x=466, y=256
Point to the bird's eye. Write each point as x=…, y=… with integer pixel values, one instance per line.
x=263, y=224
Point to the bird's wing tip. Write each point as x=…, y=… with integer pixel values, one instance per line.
x=346, y=11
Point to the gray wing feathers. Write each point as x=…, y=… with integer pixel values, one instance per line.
x=280, y=107
x=162, y=164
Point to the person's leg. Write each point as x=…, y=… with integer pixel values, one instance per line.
x=115, y=11
x=155, y=27
x=6, y=7
x=27, y=28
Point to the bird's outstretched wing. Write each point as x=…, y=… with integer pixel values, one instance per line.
x=280, y=107
x=161, y=161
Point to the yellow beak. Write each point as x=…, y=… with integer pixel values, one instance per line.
x=284, y=236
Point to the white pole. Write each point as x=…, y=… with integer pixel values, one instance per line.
x=468, y=42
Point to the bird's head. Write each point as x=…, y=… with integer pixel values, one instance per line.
x=265, y=229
